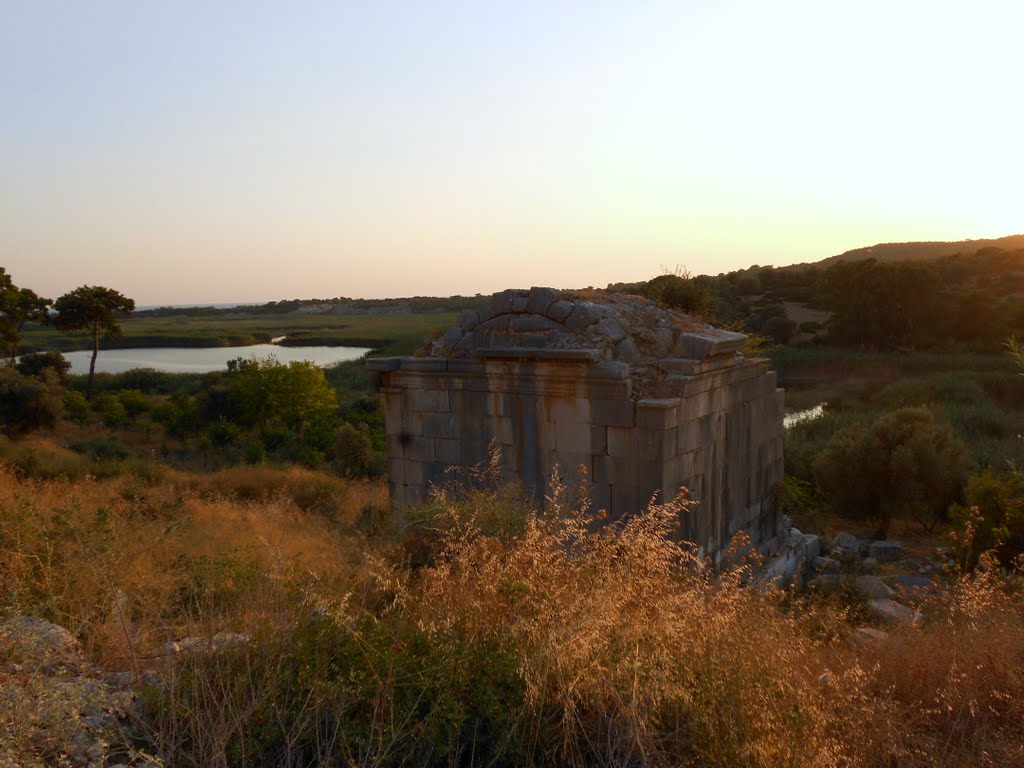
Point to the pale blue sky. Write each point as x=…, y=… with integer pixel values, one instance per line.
x=204, y=151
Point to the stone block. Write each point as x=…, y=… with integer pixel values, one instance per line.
x=465, y=365
x=886, y=551
x=609, y=369
x=891, y=611
x=598, y=439
x=613, y=413
x=469, y=320
x=533, y=324
x=572, y=437
x=383, y=364
x=621, y=442
x=657, y=414
x=584, y=314
x=439, y=425
x=872, y=586
x=447, y=451
x=396, y=470
x=610, y=328
x=560, y=310
x=424, y=364
x=626, y=351
x=541, y=299
x=519, y=304
x=697, y=346
x=430, y=400
x=415, y=472
x=569, y=411
x=654, y=446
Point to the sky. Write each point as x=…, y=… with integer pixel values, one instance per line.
x=200, y=152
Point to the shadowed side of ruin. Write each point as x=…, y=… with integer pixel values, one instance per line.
x=647, y=401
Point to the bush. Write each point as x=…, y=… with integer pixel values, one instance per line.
x=354, y=455
x=134, y=402
x=102, y=448
x=76, y=407
x=991, y=517
x=36, y=363
x=110, y=410
x=904, y=465
x=28, y=403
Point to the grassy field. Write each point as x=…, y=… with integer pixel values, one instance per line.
x=386, y=334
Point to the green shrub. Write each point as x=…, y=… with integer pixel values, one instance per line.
x=76, y=407
x=133, y=401
x=354, y=454
x=106, y=448
x=28, y=403
x=110, y=410
x=904, y=465
x=991, y=517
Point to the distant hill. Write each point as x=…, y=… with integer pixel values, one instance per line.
x=885, y=252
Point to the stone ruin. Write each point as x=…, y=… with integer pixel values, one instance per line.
x=646, y=399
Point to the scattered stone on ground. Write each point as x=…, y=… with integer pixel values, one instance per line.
x=867, y=636
x=63, y=707
x=889, y=610
x=847, y=542
x=886, y=551
x=826, y=565
x=791, y=563
x=218, y=642
x=907, y=583
x=872, y=586
x=34, y=641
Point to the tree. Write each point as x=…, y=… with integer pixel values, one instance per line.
x=36, y=363
x=17, y=306
x=264, y=392
x=904, y=465
x=28, y=403
x=93, y=309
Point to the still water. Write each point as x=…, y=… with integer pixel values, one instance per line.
x=178, y=360
x=796, y=417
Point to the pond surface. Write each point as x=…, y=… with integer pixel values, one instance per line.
x=805, y=415
x=204, y=360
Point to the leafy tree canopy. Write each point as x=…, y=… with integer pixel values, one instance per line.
x=94, y=309
x=904, y=465
x=17, y=306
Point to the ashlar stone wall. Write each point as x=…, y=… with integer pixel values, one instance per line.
x=646, y=401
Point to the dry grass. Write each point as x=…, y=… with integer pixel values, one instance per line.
x=520, y=637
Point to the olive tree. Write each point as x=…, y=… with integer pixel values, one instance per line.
x=905, y=464
x=95, y=310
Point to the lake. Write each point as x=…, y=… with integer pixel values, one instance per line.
x=205, y=359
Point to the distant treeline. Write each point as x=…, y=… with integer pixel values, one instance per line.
x=968, y=301
x=337, y=305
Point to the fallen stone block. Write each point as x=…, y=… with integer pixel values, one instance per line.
x=848, y=543
x=891, y=611
x=886, y=551
x=826, y=564
x=872, y=586
x=867, y=636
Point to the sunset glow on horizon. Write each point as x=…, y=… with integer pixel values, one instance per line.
x=199, y=153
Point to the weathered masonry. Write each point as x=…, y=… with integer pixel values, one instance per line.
x=647, y=400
